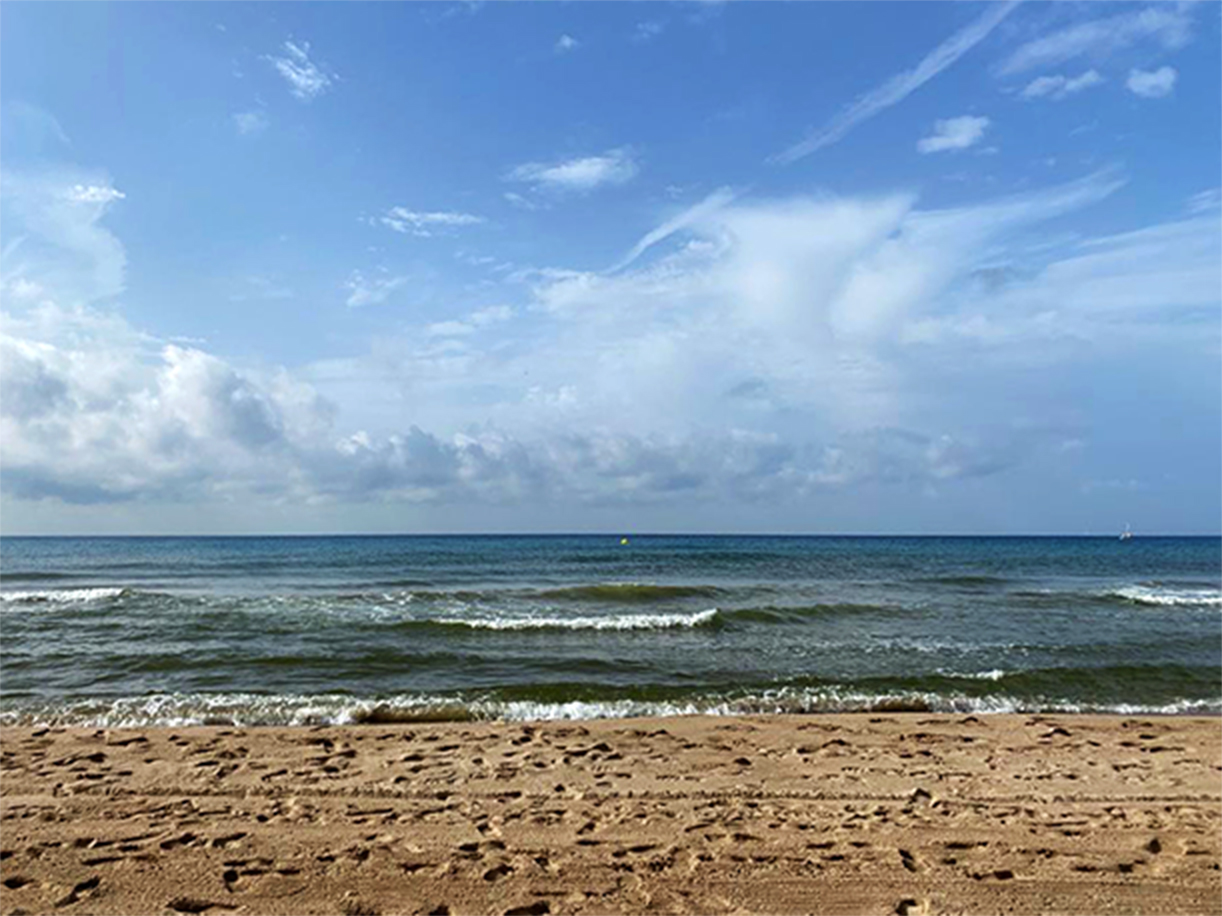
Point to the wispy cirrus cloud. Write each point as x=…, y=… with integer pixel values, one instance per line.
x=791, y=348
x=363, y=290
x=1057, y=87
x=55, y=236
x=306, y=79
x=954, y=134
x=692, y=216
x=580, y=174
x=900, y=86
x=426, y=223
x=521, y=201
x=477, y=320
x=1152, y=84
x=1168, y=25
x=1205, y=201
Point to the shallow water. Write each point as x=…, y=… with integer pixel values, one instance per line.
x=278, y=630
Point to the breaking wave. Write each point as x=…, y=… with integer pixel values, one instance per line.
x=64, y=595
x=616, y=622
x=1160, y=595
x=237, y=709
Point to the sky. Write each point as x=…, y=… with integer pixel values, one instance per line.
x=563, y=267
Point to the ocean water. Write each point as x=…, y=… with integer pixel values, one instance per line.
x=147, y=631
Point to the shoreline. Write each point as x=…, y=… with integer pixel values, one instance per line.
x=852, y=812
x=459, y=715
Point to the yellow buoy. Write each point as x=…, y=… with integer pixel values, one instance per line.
x=623, y=540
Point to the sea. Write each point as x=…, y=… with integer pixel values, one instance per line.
x=113, y=632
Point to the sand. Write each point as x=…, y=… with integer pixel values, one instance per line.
x=896, y=813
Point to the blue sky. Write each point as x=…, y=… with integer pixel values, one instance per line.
x=805, y=267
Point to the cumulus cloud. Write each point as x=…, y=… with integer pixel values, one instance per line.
x=95, y=412
x=306, y=79
x=425, y=224
x=171, y=423
x=1167, y=25
x=363, y=290
x=954, y=134
x=584, y=173
x=900, y=86
x=565, y=44
x=93, y=194
x=1057, y=87
x=1152, y=84
x=772, y=351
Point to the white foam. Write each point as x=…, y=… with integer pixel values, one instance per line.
x=61, y=596
x=1143, y=594
x=616, y=622
x=995, y=674
x=242, y=709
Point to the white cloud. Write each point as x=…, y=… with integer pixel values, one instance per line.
x=811, y=296
x=1169, y=25
x=954, y=134
x=1057, y=87
x=648, y=30
x=21, y=288
x=250, y=122
x=1205, y=201
x=94, y=414
x=614, y=167
x=520, y=201
x=1154, y=272
x=776, y=351
x=1152, y=84
x=93, y=194
x=55, y=236
x=364, y=290
x=306, y=79
x=692, y=216
x=899, y=87
x=566, y=43
x=481, y=318
x=425, y=224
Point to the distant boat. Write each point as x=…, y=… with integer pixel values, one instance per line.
x=1126, y=535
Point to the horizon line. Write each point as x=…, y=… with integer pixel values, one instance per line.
x=621, y=533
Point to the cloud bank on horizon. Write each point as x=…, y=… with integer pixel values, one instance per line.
x=475, y=285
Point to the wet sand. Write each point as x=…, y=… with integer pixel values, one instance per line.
x=888, y=813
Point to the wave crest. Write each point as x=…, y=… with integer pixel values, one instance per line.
x=617, y=622
x=1169, y=597
x=63, y=595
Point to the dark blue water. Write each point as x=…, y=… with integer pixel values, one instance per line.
x=274, y=630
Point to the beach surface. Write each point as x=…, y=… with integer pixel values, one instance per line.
x=864, y=813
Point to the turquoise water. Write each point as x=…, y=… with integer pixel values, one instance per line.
x=116, y=631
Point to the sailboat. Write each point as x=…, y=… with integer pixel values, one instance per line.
x=1126, y=535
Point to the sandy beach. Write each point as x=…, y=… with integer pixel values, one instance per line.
x=886, y=813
